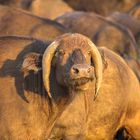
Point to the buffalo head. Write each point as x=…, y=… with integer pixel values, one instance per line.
x=77, y=61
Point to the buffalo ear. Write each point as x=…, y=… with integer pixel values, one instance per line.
x=32, y=62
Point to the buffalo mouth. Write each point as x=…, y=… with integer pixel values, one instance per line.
x=79, y=82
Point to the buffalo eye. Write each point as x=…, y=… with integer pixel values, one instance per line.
x=59, y=53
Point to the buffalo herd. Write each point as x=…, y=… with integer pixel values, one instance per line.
x=69, y=70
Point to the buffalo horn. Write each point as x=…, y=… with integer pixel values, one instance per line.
x=46, y=64
x=96, y=57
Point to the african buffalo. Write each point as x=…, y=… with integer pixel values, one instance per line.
x=21, y=23
x=69, y=90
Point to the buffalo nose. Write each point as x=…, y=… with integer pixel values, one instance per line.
x=81, y=69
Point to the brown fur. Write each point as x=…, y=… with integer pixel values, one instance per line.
x=20, y=23
x=28, y=113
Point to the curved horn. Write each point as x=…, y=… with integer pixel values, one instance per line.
x=46, y=64
x=96, y=57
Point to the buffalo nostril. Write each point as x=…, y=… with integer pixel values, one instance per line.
x=75, y=70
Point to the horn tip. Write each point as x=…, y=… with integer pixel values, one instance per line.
x=96, y=93
x=49, y=94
